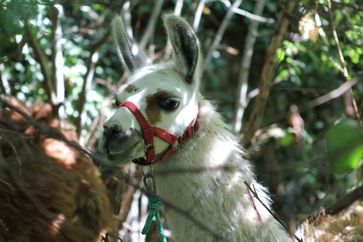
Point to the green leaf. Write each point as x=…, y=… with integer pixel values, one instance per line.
x=9, y=25
x=23, y=9
x=287, y=139
x=344, y=145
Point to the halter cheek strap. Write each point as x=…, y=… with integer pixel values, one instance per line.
x=148, y=133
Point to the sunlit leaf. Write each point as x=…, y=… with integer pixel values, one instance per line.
x=287, y=139
x=344, y=145
x=308, y=28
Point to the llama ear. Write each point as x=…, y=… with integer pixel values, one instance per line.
x=185, y=45
x=131, y=55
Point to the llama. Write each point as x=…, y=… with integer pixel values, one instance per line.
x=48, y=190
x=164, y=123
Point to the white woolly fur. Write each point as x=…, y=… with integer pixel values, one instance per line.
x=215, y=196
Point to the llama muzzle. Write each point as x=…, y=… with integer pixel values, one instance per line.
x=117, y=143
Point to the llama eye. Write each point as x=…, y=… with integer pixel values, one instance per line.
x=168, y=103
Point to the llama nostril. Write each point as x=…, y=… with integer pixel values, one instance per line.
x=118, y=137
x=116, y=140
x=110, y=130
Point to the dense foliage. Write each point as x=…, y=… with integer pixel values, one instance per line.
x=300, y=153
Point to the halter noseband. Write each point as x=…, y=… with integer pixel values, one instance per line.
x=148, y=133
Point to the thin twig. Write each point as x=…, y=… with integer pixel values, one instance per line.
x=106, y=84
x=4, y=84
x=43, y=62
x=17, y=53
x=8, y=184
x=150, y=29
x=218, y=37
x=90, y=140
x=346, y=201
x=57, y=56
x=197, y=170
x=125, y=205
x=87, y=81
x=351, y=108
x=126, y=17
x=341, y=90
x=242, y=100
x=198, y=15
x=178, y=7
x=339, y=205
x=254, y=16
x=274, y=215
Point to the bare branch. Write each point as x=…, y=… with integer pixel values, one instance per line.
x=220, y=32
x=17, y=53
x=267, y=72
x=4, y=84
x=274, y=215
x=242, y=100
x=341, y=90
x=346, y=201
x=57, y=55
x=254, y=16
x=338, y=206
x=125, y=205
x=87, y=81
x=126, y=17
x=198, y=170
x=92, y=59
x=178, y=7
x=198, y=15
x=351, y=108
x=150, y=29
x=90, y=140
x=43, y=62
x=110, y=87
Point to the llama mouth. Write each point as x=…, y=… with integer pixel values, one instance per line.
x=139, y=161
x=121, y=155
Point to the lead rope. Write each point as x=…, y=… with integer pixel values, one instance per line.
x=154, y=207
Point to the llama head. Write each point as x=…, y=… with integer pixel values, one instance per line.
x=166, y=94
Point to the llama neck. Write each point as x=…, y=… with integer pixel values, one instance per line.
x=198, y=163
x=205, y=176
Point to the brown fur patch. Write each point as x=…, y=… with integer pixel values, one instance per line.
x=131, y=88
x=152, y=107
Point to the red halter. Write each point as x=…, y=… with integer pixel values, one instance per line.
x=148, y=134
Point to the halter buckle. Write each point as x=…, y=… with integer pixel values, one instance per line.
x=148, y=147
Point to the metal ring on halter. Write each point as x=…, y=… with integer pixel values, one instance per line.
x=148, y=147
x=150, y=188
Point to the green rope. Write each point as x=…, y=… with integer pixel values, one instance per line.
x=154, y=211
